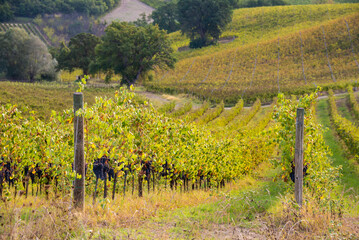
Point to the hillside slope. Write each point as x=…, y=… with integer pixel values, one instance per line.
x=288, y=57
x=253, y=25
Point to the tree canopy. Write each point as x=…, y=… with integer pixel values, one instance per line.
x=202, y=19
x=166, y=17
x=131, y=51
x=6, y=13
x=79, y=53
x=25, y=57
x=31, y=8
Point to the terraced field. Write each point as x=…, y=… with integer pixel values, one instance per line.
x=30, y=28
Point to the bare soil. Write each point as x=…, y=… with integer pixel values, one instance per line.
x=128, y=11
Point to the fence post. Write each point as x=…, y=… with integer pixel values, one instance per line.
x=79, y=160
x=298, y=157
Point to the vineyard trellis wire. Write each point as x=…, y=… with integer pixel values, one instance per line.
x=254, y=70
x=229, y=74
x=351, y=43
x=326, y=51
x=302, y=57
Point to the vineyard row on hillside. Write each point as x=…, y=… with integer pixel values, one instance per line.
x=347, y=131
x=324, y=55
x=30, y=28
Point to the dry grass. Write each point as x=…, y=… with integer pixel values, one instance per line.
x=199, y=214
x=38, y=218
x=316, y=219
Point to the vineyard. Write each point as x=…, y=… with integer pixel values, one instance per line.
x=133, y=150
x=131, y=142
x=30, y=28
x=191, y=169
x=317, y=47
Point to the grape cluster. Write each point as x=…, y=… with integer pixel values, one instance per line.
x=102, y=168
x=292, y=173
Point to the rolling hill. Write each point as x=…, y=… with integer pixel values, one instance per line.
x=277, y=49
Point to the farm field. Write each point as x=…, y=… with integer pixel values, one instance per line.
x=208, y=198
x=309, y=46
x=43, y=98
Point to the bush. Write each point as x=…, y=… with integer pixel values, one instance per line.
x=260, y=3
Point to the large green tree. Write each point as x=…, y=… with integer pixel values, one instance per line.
x=131, y=51
x=25, y=57
x=79, y=53
x=166, y=17
x=202, y=20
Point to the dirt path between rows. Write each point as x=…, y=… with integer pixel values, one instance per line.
x=164, y=98
x=127, y=11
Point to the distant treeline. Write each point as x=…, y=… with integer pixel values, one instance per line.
x=32, y=8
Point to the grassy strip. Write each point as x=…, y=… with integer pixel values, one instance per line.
x=212, y=114
x=243, y=121
x=196, y=114
x=343, y=108
x=257, y=126
x=345, y=129
x=167, y=107
x=183, y=110
x=353, y=102
x=350, y=168
x=227, y=116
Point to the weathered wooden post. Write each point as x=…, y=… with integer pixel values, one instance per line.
x=79, y=159
x=298, y=157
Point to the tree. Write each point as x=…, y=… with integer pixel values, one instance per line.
x=6, y=13
x=166, y=17
x=38, y=59
x=24, y=56
x=202, y=19
x=142, y=21
x=11, y=52
x=79, y=54
x=131, y=51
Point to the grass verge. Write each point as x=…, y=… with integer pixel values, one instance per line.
x=350, y=168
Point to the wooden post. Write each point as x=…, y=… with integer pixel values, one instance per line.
x=79, y=160
x=298, y=158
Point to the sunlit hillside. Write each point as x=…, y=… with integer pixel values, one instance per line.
x=287, y=49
